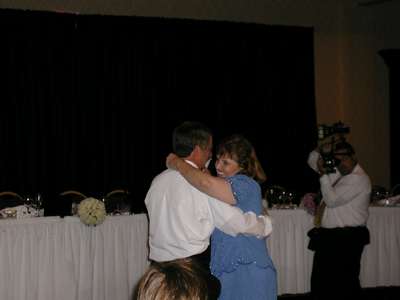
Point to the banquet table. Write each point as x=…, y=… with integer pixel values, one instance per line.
x=380, y=262
x=53, y=258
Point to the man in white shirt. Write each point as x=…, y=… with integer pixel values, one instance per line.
x=182, y=218
x=339, y=242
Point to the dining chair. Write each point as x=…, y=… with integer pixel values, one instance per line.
x=10, y=199
x=68, y=202
x=117, y=202
x=395, y=190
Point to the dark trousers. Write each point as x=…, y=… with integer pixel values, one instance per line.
x=336, y=264
x=213, y=284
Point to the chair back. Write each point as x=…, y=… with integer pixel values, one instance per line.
x=69, y=201
x=10, y=199
x=117, y=202
x=395, y=190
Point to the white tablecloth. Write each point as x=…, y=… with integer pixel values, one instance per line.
x=380, y=263
x=53, y=258
x=287, y=246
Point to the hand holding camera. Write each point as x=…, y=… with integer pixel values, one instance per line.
x=328, y=138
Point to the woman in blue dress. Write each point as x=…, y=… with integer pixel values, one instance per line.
x=241, y=263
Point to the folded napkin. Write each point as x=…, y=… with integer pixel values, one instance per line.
x=20, y=212
x=391, y=201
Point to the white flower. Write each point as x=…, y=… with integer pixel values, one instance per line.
x=91, y=211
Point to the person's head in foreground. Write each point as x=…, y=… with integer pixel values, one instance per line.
x=175, y=280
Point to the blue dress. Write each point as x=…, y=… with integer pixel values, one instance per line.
x=242, y=263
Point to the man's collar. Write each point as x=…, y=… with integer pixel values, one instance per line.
x=191, y=163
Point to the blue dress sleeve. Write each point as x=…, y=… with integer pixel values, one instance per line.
x=247, y=193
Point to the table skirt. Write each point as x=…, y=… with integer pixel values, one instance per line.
x=380, y=262
x=53, y=258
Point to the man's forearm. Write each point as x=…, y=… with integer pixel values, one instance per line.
x=248, y=223
x=232, y=220
x=312, y=160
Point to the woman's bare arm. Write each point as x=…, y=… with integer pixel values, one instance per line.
x=215, y=187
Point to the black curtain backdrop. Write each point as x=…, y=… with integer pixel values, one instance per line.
x=89, y=102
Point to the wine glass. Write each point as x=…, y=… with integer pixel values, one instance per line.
x=38, y=205
x=291, y=198
x=28, y=203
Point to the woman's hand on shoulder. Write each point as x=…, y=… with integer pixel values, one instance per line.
x=172, y=161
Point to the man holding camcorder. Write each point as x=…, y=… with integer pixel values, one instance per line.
x=340, y=233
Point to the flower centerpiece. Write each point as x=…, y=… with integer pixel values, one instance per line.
x=91, y=211
x=308, y=202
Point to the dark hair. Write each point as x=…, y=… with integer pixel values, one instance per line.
x=242, y=151
x=348, y=149
x=187, y=135
x=180, y=279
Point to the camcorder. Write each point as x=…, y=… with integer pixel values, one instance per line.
x=336, y=132
x=325, y=131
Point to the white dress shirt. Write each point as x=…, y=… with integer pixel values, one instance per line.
x=182, y=218
x=346, y=197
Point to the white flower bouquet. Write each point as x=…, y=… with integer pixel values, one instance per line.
x=91, y=211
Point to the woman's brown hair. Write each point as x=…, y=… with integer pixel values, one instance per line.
x=242, y=151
